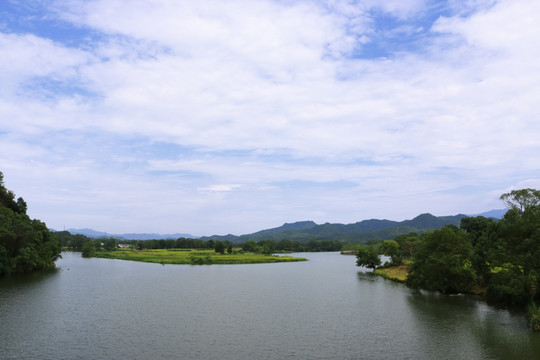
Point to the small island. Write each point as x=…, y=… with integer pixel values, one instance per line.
x=194, y=256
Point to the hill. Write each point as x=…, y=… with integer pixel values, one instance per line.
x=359, y=232
x=127, y=236
x=494, y=214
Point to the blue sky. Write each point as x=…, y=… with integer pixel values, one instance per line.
x=216, y=117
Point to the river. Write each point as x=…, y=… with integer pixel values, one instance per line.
x=325, y=308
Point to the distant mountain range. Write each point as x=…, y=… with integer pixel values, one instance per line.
x=359, y=232
x=302, y=231
x=128, y=236
x=495, y=214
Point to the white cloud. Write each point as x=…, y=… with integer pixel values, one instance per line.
x=25, y=56
x=256, y=99
x=220, y=187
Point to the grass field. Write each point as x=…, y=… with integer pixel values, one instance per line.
x=395, y=273
x=193, y=257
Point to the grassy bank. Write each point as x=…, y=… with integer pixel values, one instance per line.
x=394, y=273
x=399, y=274
x=193, y=257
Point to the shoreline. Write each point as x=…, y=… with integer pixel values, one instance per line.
x=193, y=257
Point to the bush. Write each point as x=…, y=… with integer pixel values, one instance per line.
x=88, y=249
x=533, y=314
x=201, y=260
x=508, y=285
x=441, y=262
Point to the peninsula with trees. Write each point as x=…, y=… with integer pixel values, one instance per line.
x=499, y=260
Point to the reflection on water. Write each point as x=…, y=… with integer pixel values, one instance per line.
x=321, y=309
x=483, y=331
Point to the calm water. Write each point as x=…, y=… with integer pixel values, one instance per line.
x=321, y=309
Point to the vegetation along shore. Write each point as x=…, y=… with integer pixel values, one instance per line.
x=498, y=259
x=194, y=257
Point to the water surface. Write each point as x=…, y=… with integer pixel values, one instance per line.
x=326, y=308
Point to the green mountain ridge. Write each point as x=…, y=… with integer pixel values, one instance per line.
x=359, y=232
x=303, y=231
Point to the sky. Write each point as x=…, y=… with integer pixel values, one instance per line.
x=216, y=117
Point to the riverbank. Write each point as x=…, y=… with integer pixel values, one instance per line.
x=400, y=273
x=395, y=273
x=193, y=257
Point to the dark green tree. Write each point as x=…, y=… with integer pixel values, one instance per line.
x=110, y=244
x=391, y=248
x=442, y=262
x=514, y=257
x=367, y=256
x=25, y=244
x=482, y=233
x=267, y=246
x=88, y=249
x=219, y=247
x=249, y=246
x=408, y=244
x=285, y=245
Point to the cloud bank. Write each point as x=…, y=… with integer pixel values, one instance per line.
x=230, y=117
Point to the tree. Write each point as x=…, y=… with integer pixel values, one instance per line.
x=475, y=226
x=391, y=248
x=408, y=244
x=110, y=244
x=249, y=246
x=219, y=247
x=514, y=253
x=442, y=262
x=482, y=233
x=7, y=199
x=25, y=244
x=88, y=249
x=521, y=199
x=267, y=246
x=284, y=245
x=367, y=256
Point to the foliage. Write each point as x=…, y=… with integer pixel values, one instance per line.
x=25, y=244
x=509, y=285
x=533, y=314
x=397, y=273
x=110, y=244
x=442, y=262
x=351, y=247
x=201, y=260
x=194, y=257
x=408, y=244
x=481, y=232
x=219, y=247
x=391, y=248
x=522, y=199
x=7, y=199
x=368, y=256
x=503, y=257
x=88, y=249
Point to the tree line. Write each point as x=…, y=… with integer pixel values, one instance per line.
x=25, y=244
x=79, y=242
x=499, y=258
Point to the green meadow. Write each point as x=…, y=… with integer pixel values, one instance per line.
x=193, y=257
